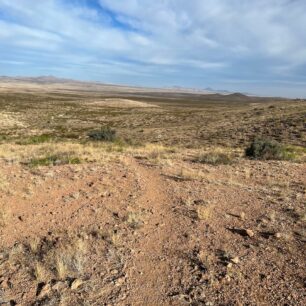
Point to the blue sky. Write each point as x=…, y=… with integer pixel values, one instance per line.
x=256, y=46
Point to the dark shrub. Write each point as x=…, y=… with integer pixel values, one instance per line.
x=267, y=150
x=104, y=134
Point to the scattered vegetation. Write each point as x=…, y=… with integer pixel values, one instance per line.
x=265, y=149
x=54, y=160
x=184, y=174
x=3, y=216
x=214, y=158
x=48, y=260
x=37, y=139
x=134, y=220
x=3, y=183
x=3, y=137
x=104, y=134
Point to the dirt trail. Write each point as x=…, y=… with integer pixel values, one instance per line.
x=149, y=270
x=133, y=234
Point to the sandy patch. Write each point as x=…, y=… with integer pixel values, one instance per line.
x=10, y=120
x=124, y=103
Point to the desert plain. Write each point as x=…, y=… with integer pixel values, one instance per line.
x=115, y=195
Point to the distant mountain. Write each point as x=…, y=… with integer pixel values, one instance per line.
x=237, y=95
x=217, y=90
x=189, y=90
x=40, y=79
x=50, y=79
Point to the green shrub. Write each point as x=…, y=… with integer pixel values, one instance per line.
x=104, y=134
x=35, y=139
x=214, y=158
x=54, y=160
x=266, y=149
x=3, y=137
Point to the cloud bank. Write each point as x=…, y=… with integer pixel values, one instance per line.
x=241, y=45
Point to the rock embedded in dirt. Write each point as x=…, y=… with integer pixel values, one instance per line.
x=45, y=290
x=76, y=284
x=249, y=233
x=60, y=286
x=75, y=195
x=278, y=235
x=242, y=216
x=235, y=260
x=199, y=202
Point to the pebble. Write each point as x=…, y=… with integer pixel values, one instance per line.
x=250, y=233
x=235, y=260
x=59, y=286
x=46, y=290
x=76, y=284
x=75, y=195
x=278, y=235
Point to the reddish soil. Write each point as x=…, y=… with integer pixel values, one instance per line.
x=132, y=233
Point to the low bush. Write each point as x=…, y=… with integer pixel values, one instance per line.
x=104, y=134
x=214, y=158
x=3, y=137
x=54, y=160
x=265, y=149
x=37, y=139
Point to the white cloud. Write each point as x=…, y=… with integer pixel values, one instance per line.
x=166, y=40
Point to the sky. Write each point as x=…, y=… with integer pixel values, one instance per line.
x=254, y=46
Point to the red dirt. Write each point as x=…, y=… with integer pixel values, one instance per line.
x=146, y=242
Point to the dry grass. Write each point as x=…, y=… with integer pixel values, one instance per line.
x=120, y=103
x=174, y=119
x=10, y=120
x=3, y=217
x=216, y=156
x=189, y=174
x=134, y=220
x=56, y=153
x=89, y=152
x=205, y=212
x=4, y=184
x=153, y=152
x=46, y=260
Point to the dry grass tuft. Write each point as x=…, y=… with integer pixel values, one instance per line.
x=215, y=157
x=204, y=212
x=48, y=259
x=48, y=153
x=4, y=216
x=4, y=185
x=152, y=152
x=134, y=220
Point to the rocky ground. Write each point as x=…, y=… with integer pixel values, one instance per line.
x=136, y=232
